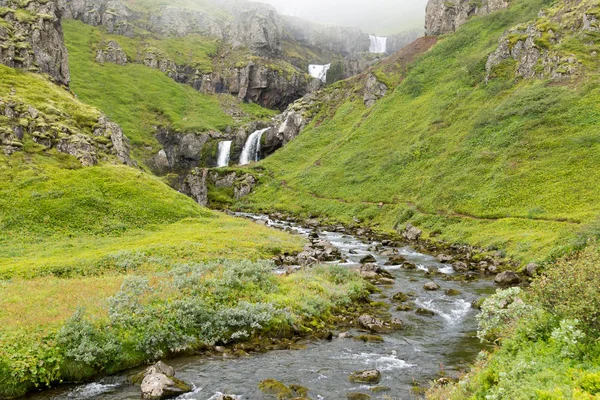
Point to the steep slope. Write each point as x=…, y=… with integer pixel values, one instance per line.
x=495, y=161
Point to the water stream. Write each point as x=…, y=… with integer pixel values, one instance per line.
x=224, y=150
x=378, y=44
x=319, y=71
x=413, y=354
x=251, y=151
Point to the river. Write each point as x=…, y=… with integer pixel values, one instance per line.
x=408, y=357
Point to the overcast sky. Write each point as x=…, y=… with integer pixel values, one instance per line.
x=381, y=17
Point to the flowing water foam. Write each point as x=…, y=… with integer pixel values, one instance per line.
x=378, y=44
x=251, y=150
x=319, y=71
x=224, y=151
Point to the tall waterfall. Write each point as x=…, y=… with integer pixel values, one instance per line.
x=378, y=44
x=251, y=150
x=224, y=152
x=319, y=71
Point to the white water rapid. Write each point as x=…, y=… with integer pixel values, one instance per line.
x=378, y=44
x=251, y=150
x=223, y=154
x=319, y=71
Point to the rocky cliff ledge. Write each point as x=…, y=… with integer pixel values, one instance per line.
x=445, y=16
x=31, y=38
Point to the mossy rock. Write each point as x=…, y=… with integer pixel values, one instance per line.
x=452, y=292
x=275, y=388
x=280, y=391
x=370, y=338
x=424, y=312
x=379, y=389
x=401, y=297
x=404, y=307
x=368, y=376
x=357, y=396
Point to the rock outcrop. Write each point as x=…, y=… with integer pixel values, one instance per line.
x=445, y=16
x=196, y=184
x=112, y=52
x=21, y=120
x=112, y=14
x=31, y=38
x=533, y=50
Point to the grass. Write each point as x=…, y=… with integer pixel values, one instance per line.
x=508, y=164
x=140, y=98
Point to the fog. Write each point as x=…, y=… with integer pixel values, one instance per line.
x=380, y=17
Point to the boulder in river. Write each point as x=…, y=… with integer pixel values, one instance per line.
x=371, y=323
x=460, y=266
x=431, y=286
x=409, y=265
x=368, y=259
x=357, y=396
x=159, y=382
x=401, y=297
x=395, y=260
x=507, y=278
x=367, y=376
x=424, y=312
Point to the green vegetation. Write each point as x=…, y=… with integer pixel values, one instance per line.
x=505, y=165
x=549, y=338
x=190, y=307
x=138, y=97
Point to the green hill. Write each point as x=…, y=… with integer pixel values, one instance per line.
x=507, y=164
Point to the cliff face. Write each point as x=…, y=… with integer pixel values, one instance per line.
x=31, y=38
x=338, y=39
x=445, y=16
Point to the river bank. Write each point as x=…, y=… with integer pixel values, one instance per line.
x=438, y=330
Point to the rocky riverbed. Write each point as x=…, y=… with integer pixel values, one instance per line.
x=420, y=328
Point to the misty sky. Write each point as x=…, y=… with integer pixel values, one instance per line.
x=381, y=17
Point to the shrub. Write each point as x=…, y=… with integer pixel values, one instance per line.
x=499, y=312
x=569, y=289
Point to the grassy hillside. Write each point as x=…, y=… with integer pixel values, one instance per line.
x=71, y=236
x=140, y=98
x=509, y=164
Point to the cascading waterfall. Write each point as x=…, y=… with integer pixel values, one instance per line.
x=319, y=71
x=251, y=150
x=378, y=44
x=224, y=149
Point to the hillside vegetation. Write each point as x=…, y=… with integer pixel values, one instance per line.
x=507, y=164
x=140, y=98
x=71, y=236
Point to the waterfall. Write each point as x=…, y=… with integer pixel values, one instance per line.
x=319, y=71
x=223, y=154
x=251, y=150
x=378, y=44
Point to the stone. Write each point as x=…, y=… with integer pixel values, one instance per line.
x=460, y=266
x=409, y=265
x=431, y=286
x=444, y=258
x=159, y=382
x=395, y=260
x=368, y=259
x=112, y=53
x=357, y=396
x=372, y=376
x=424, y=312
x=370, y=338
x=531, y=269
x=371, y=323
x=452, y=292
x=400, y=297
x=412, y=233
x=507, y=278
